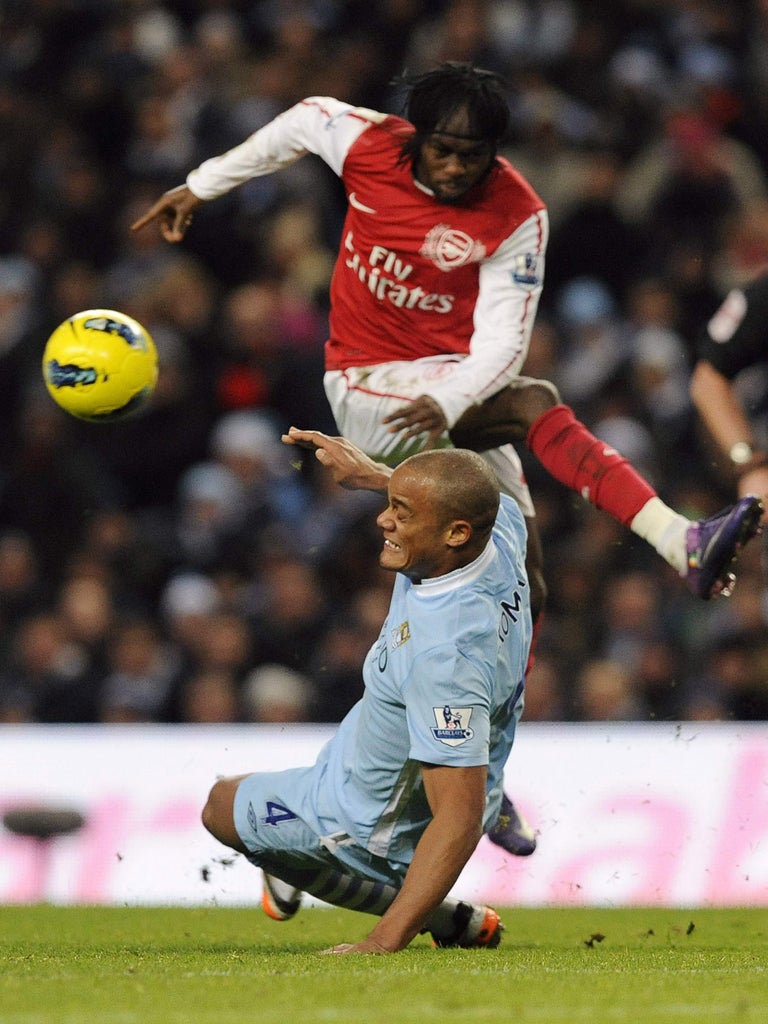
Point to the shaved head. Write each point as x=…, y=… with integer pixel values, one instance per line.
x=463, y=486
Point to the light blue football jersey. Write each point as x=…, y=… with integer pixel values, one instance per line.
x=443, y=685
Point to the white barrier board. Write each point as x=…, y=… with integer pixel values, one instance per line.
x=627, y=814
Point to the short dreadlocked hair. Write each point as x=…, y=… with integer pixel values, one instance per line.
x=433, y=97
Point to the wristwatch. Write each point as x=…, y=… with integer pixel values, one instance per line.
x=741, y=453
x=744, y=458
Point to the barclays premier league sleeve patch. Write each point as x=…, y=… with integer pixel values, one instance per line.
x=452, y=725
x=526, y=270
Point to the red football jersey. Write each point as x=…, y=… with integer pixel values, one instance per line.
x=414, y=276
x=407, y=278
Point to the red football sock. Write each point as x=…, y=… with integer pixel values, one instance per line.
x=587, y=465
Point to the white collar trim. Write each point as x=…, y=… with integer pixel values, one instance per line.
x=459, y=577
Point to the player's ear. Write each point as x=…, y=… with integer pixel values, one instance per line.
x=458, y=533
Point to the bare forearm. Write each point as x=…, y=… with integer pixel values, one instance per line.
x=719, y=409
x=441, y=854
x=728, y=425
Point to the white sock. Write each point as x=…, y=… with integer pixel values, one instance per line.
x=441, y=920
x=665, y=530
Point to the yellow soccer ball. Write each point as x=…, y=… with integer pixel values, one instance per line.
x=100, y=365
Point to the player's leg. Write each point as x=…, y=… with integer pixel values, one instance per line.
x=453, y=923
x=218, y=816
x=702, y=551
x=252, y=814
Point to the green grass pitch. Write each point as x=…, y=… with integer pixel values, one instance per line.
x=109, y=965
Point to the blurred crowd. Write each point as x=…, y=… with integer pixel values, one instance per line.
x=184, y=566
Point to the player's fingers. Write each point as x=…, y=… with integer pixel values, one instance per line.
x=304, y=438
x=181, y=221
x=402, y=414
x=302, y=433
x=397, y=415
x=324, y=456
x=309, y=445
x=407, y=419
x=143, y=221
x=170, y=232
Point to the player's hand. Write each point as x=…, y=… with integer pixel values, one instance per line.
x=173, y=210
x=421, y=416
x=349, y=466
x=366, y=946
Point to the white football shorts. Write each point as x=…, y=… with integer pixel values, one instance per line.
x=362, y=396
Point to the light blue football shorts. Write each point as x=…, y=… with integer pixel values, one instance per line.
x=290, y=847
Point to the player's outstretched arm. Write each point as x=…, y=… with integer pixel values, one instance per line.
x=457, y=797
x=350, y=467
x=173, y=211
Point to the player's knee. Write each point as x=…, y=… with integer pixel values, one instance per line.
x=217, y=815
x=538, y=397
x=209, y=816
x=506, y=417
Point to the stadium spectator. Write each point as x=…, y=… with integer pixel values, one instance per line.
x=688, y=182
x=141, y=672
x=86, y=604
x=271, y=358
x=186, y=606
x=209, y=696
x=50, y=486
x=276, y=693
x=607, y=691
x=592, y=239
x=22, y=587
x=49, y=678
x=287, y=610
x=225, y=644
x=544, y=697
x=736, y=676
x=336, y=660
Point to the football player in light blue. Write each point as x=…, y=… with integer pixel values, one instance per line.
x=394, y=806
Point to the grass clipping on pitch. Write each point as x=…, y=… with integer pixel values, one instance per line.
x=69, y=965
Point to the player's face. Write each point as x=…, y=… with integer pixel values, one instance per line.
x=450, y=167
x=451, y=162
x=414, y=537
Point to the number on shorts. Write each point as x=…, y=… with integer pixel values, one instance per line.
x=276, y=813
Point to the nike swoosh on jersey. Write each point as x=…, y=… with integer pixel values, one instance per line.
x=354, y=201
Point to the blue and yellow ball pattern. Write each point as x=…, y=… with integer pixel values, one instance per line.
x=100, y=365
